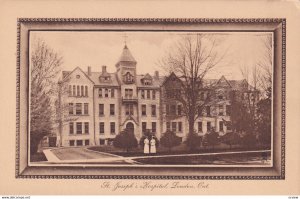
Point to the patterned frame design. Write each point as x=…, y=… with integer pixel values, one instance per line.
x=19, y=174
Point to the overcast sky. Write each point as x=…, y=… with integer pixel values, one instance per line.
x=104, y=48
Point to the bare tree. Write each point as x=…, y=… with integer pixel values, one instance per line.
x=191, y=59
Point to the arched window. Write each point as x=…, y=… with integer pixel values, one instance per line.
x=74, y=90
x=82, y=90
x=78, y=91
x=86, y=91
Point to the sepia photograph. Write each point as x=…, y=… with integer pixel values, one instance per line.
x=132, y=99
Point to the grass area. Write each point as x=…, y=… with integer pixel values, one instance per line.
x=38, y=157
x=224, y=159
x=181, y=149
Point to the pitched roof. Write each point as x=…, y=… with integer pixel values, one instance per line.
x=126, y=56
x=156, y=82
x=114, y=81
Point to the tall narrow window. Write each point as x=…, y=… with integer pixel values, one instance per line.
x=174, y=125
x=78, y=109
x=173, y=109
x=106, y=92
x=153, y=94
x=112, y=128
x=180, y=126
x=86, y=128
x=144, y=126
x=70, y=90
x=112, y=109
x=71, y=128
x=167, y=109
x=100, y=92
x=86, y=108
x=71, y=108
x=112, y=93
x=86, y=91
x=129, y=109
x=208, y=110
x=221, y=110
x=179, y=109
x=101, y=109
x=199, y=126
x=228, y=110
x=78, y=91
x=87, y=142
x=143, y=94
x=168, y=126
x=208, y=126
x=82, y=91
x=200, y=111
x=148, y=94
x=221, y=125
x=78, y=128
x=153, y=127
x=101, y=127
x=153, y=110
x=144, y=111
x=74, y=90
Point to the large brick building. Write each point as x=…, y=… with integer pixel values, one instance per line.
x=103, y=104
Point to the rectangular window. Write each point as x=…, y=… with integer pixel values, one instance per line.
x=153, y=110
x=174, y=125
x=102, y=141
x=71, y=128
x=78, y=91
x=144, y=111
x=112, y=128
x=148, y=94
x=221, y=125
x=101, y=109
x=71, y=108
x=101, y=127
x=86, y=128
x=78, y=109
x=87, y=142
x=168, y=126
x=179, y=109
x=100, y=92
x=82, y=91
x=78, y=128
x=208, y=110
x=79, y=142
x=153, y=127
x=143, y=94
x=180, y=126
x=199, y=126
x=144, y=126
x=86, y=108
x=70, y=90
x=112, y=109
x=221, y=110
x=128, y=93
x=228, y=110
x=74, y=90
x=112, y=93
x=72, y=143
x=129, y=109
x=106, y=92
x=153, y=94
x=173, y=109
x=208, y=126
x=86, y=91
x=168, y=109
x=200, y=111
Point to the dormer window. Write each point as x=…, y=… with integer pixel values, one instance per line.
x=128, y=78
x=147, y=80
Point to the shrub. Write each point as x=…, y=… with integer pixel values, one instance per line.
x=125, y=140
x=170, y=140
x=193, y=141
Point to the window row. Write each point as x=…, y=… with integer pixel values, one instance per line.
x=78, y=91
x=174, y=109
x=105, y=92
x=153, y=127
x=144, y=110
x=81, y=127
x=112, y=128
x=80, y=109
x=79, y=142
x=111, y=109
x=222, y=110
x=148, y=94
x=209, y=127
x=174, y=126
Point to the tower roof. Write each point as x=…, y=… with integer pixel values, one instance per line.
x=126, y=56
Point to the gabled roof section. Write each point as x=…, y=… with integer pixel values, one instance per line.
x=113, y=79
x=67, y=74
x=222, y=82
x=147, y=76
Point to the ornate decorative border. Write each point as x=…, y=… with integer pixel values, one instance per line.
x=153, y=21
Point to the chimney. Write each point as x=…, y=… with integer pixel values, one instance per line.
x=103, y=69
x=89, y=71
x=156, y=74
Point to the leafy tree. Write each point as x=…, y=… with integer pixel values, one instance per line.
x=230, y=139
x=212, y=138
x=44, y=66
x=170, y=140
x=193, y=141
x=125, y=140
